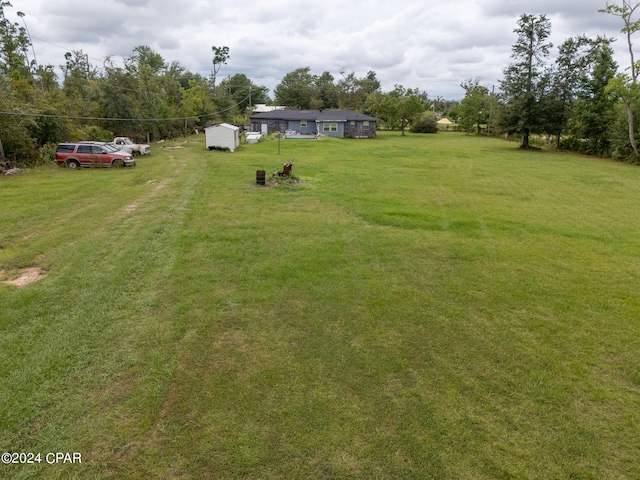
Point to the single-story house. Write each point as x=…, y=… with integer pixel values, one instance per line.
x=222, y=136
x=334, y=123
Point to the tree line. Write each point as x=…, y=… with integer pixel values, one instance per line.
x=145, y=97
x=578, y=101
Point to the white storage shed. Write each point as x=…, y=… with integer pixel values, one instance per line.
x=222, y=137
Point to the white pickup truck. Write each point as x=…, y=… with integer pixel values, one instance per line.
x=123, y=143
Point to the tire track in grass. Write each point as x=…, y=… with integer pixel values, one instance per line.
x=101, y=349
x=150, y=343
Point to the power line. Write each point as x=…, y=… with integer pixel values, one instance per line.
x=79, y=117
x=64, y=48
x=112, y=119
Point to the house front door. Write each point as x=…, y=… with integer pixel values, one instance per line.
x=264, y=129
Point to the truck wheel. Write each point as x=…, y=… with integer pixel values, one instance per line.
x=117, y=163
x=73, y=163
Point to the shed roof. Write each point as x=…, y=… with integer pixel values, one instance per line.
x=315, y=115
x=225, y=125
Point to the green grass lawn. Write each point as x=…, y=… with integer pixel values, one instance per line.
x=441, y=306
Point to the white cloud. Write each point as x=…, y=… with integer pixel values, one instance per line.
x=430, y=45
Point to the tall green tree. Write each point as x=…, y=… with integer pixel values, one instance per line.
x=243, y=92
x=571, y=67
x=177, y=78
x=197, y=101
x=14, y=47
x=384, y=107
x=594, y=111
x=474, y=107
x=398, y=108
x=79, y=84
x=297, y=89
x=523, y=84
x=625, y=86
x=348, y=97
x=146, y=68
x=15, y=135
x=220, y=57
x=17, y=93
x=144, y=56
x=353, y=91
x=369, y=83
x=118, y=95
x=327, y=91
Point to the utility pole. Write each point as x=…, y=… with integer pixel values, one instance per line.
x=21, y=15
x=493, y=89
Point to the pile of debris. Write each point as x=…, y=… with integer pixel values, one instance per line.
x=5, y=166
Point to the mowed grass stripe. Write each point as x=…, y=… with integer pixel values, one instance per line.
x=82, y=326
x=442, y=306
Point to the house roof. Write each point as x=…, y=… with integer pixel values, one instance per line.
x=314, y=115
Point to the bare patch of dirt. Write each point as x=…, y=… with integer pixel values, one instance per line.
x=160, y=186
x=133, y=206
x=26, y=276
x=274, y=182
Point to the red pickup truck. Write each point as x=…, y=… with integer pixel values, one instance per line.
x=75, y=155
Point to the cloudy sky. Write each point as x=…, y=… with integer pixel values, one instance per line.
x=428, y=44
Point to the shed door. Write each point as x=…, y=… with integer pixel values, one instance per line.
x=264, y=129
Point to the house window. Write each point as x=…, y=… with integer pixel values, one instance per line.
x=353, y=123
x=365, y=125
x=303, y=123
x=330, y=127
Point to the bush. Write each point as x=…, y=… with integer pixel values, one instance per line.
x=425, y=125
x=47, y=154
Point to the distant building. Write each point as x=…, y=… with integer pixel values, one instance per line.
x=333, y=123
x=263, y=108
